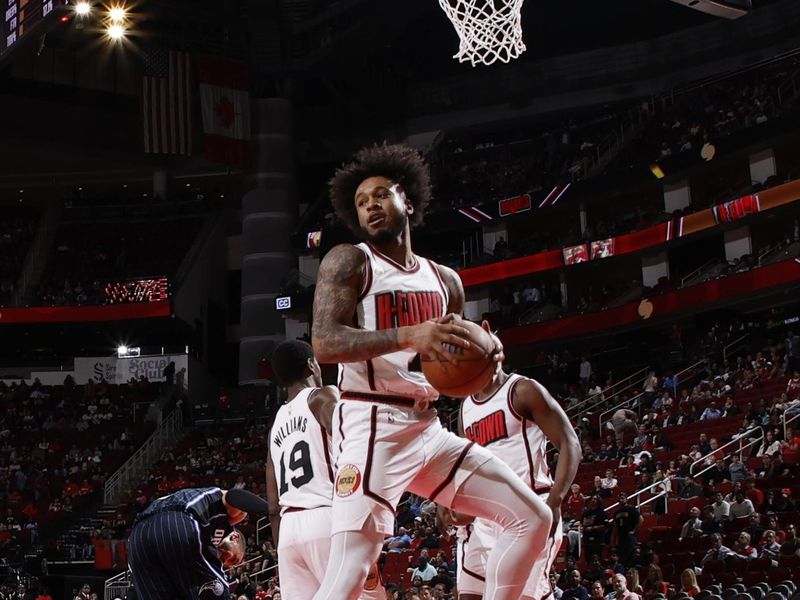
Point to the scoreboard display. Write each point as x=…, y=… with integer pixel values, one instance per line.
x=21, y=17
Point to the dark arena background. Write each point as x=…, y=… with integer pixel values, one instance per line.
x=621, y=202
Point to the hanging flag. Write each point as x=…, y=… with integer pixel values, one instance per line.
x=224, y=89
x=167, y=101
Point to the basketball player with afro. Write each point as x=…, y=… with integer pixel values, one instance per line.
x=377, y=306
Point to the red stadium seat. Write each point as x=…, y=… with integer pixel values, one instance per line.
x=714, y=567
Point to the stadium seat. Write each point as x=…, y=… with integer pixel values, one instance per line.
x=750, y=578
x=738, y=566
x=760, y=564
x=729, y=593
x=713, y=567
x=756, y=592
x=789, y=562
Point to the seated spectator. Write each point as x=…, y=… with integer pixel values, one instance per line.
x=722, y=509
x=741, y=507
x=442, y=578
x=755, y=495
x=595, y=526
x=755, y=529
x=613, y=562
x=691, y=489
x=783, y=502
x=575, y=591
x=609, y=482
x=737, y=469
x=791, y=543
x=424, y=570
x=557, y=591
x=399, y=542
x=598, y=489
x=693, y=526
x=742, y=547
x=641, y=439
x=770, y=446
x=689, y=583
x=595, y=571
x=769, y=547
x=704, y=445
x=711, y=524
x=621, y=591
x=597, y=591
x=718, y=550
x=654, y=583
x=575, y=501
x=711, y=412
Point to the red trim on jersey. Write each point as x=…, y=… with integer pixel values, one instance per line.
x=464, y=554
x=412, y=269
x=371, y=374
x=452, y=472
x=446, y=294
x=373, y=430
x=326, y=452
x=367, y=280
x=510, y=397
x=527, y=445
x=380, y=398
x=341, y=431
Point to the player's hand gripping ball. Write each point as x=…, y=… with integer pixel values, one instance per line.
x=473, y=368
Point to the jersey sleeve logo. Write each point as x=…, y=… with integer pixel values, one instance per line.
x=215, y=587
x=347, y=481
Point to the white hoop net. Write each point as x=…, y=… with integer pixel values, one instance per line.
x=488, y=30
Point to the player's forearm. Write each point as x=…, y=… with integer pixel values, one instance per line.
x=569, y=457
x=340, y=344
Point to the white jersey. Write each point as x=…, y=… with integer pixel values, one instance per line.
x=394, y=296
x=518, y=442
x=298, y=448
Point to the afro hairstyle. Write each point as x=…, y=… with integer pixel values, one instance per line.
x=400, y=163
x=289, y=361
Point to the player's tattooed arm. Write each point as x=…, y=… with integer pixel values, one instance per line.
x=341, y=278
x=340, y=281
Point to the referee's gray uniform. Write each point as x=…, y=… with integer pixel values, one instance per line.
x=172, y=550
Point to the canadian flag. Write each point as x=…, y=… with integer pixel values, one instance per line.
x=225, y=103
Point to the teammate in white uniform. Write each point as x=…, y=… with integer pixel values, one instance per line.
x=300, y=475
x=376, y=306
x=514, y=417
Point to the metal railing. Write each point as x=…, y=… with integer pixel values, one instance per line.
x=117, y=586
x=166, y=434
x=710, y=459
x=733, y=344
x=637, y=495
x=786, y=421
x=625, y=403
x=677, y=377
x=631, y=381
x=698, y=270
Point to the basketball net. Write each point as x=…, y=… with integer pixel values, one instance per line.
x=488, y=30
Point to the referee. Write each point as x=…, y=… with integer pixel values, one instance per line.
x=180, y=543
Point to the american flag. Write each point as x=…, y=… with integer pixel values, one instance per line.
x=167, y=102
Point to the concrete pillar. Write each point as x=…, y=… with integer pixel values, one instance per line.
x=563, y=286
x=762, y=166
x=738, y=243
x=654, y=267
x=677, y=196
x=268, y=216
x=582, y=217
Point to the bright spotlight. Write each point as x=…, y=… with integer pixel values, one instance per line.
x=116, y=32
x=116, y=14
x=83, y=8
x=122, y=350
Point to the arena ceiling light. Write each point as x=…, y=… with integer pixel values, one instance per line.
x=83, y=8
x=115, y=32
x=117, y=14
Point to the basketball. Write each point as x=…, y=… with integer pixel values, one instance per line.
x=472, y=371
